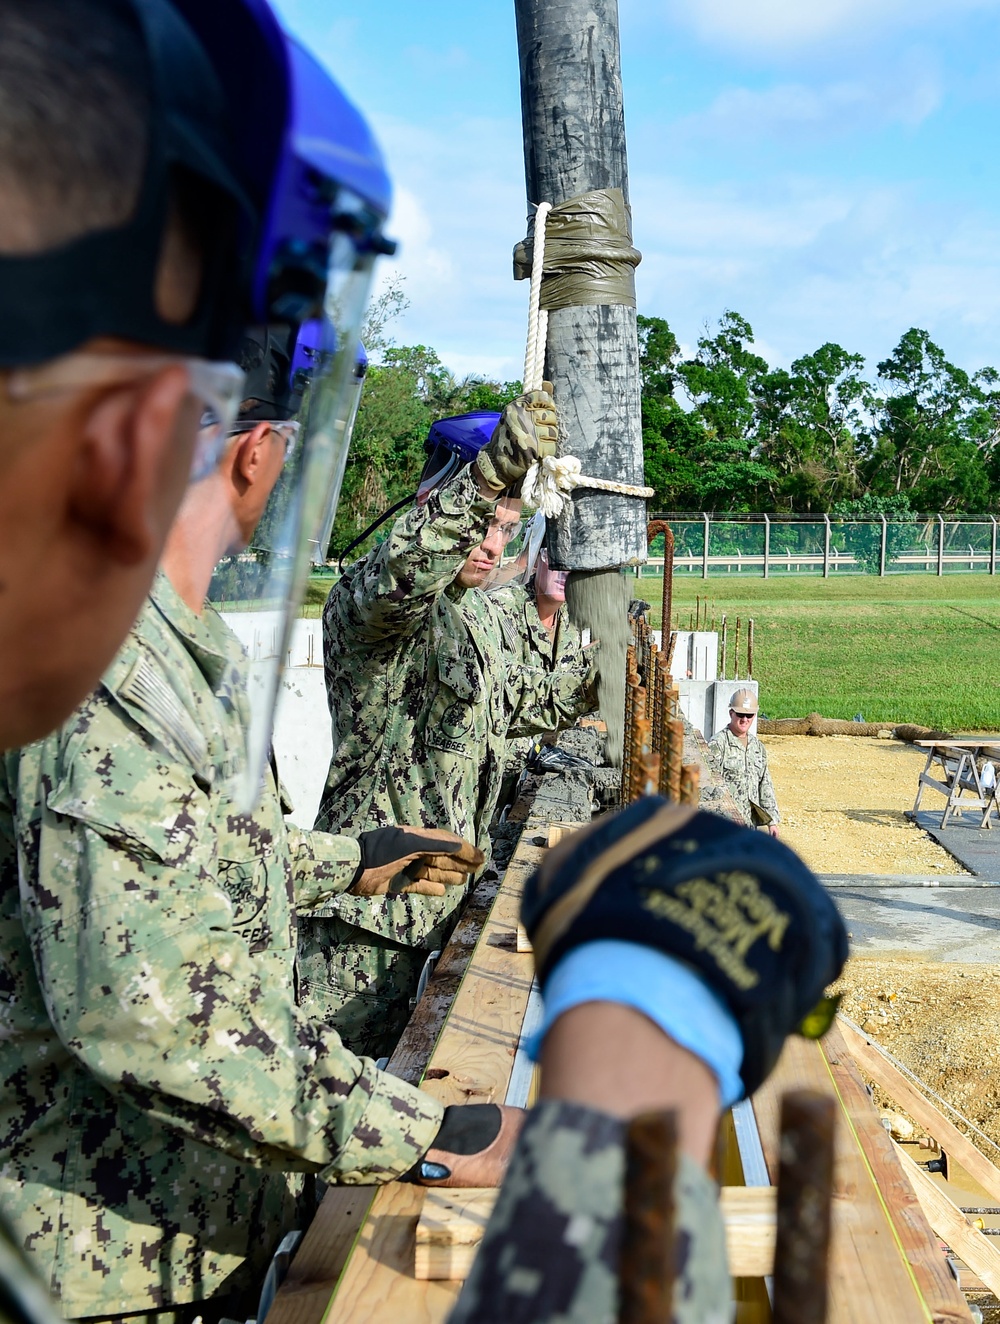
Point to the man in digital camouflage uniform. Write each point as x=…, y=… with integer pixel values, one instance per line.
x=675, y=952
x=196, y=1132
x=741, y=760
x=99, y=408
x=549, y=639
x=427, y=677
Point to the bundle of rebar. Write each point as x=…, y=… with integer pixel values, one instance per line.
x=653, y=758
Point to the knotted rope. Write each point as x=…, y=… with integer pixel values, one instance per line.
x=550, y=481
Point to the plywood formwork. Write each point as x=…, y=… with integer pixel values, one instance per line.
x=358, y=1256
x=358, y=1261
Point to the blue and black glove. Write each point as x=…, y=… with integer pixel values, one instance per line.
x=737, y=907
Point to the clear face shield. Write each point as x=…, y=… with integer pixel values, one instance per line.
x=259, y=589
x=520, y=555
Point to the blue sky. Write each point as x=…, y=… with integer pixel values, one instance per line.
x=827, y=168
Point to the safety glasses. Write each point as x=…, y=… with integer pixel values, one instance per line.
x=219, y=386
x=288, y=430
x=507, y=532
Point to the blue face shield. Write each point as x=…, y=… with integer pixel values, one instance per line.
x=324, y=195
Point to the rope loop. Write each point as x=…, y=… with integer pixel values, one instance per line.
x=550, y=481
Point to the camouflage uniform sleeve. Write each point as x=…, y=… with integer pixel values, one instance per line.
x=149, y=986
x=766, y=796
x=323, y=864
x=551, y=1248
x=551, y=696
x=389, y=592
x=715, y=755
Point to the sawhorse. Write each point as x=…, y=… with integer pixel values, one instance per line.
x=963, y=777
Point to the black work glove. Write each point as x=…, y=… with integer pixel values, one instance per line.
x=735, y=905
x=413, y=859
x=472, y=1148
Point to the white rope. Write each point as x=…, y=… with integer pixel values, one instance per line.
x=550, y=481
x=538, y=318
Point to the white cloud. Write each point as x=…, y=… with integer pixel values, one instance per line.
x=798, y=110
x=806, y=262
x=779, y=24
x=458, y=213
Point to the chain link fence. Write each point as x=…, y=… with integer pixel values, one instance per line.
x=770, y=545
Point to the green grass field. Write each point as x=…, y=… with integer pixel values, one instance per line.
x=907, y=648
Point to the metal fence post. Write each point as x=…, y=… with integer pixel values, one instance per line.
x=767, y=544
x=940, y=568
x=826, y=546
x=993, y=546
x=704, y=555
x=881, y=555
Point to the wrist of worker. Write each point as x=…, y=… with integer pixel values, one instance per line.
x=672, y=995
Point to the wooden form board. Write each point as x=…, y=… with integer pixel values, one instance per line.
x=471, y=1062
x=910, y=1099
x=452, y=1224
x=948, y=1221
x=885, y=1262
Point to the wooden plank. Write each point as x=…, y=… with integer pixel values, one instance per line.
x=916, y=1236
x=304, y=1296
x=951, y=1224
x=869, y=1278
x=471, y=1062
x=452, y=1223
x=865, y=1052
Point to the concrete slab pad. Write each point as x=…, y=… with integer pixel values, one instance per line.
x=941, y=923
x=978, y=849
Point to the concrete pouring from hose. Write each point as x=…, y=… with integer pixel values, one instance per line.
x=581, y=254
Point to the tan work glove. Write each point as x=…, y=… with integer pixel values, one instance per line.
x=413, y=859
x=528, y=429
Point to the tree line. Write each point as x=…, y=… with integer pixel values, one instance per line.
x=722, y=430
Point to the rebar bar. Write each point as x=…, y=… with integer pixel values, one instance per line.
x=805, y=1195
x=653, y=528
x=736, y=651
x=750, y=649
x=649, y=1246
x=724, y=646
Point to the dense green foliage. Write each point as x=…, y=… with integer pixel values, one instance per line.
x=723, y=431
x=406, y=389
x=907, y=648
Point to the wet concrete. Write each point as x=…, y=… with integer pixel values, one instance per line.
x=942, y=919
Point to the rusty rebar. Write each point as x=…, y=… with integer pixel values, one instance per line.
x=750, y=649
x=648, y=1260
x=654, y=527
x=736, y=651
x=724, y=646
x=690, y=784
x=675, y=758
x=805, y=1194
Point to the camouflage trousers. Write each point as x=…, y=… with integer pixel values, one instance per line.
x=551, y=1248
x=358, y=982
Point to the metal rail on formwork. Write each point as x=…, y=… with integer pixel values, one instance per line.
x=654, y=732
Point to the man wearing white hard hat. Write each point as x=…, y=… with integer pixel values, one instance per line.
x=737, y=754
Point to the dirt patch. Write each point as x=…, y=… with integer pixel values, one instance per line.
x=937, y=1018
x=842, y=799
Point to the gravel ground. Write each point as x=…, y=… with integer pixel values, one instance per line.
x=940, y=1020
x=842, y=798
